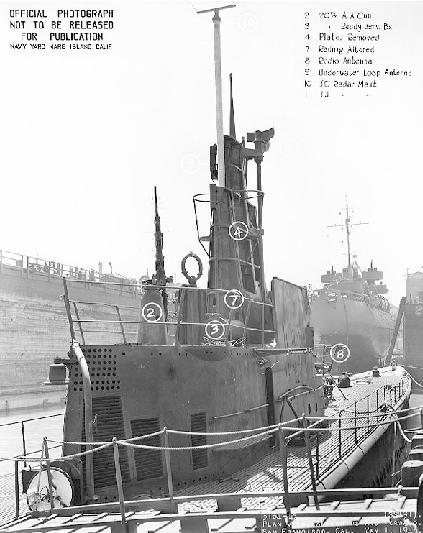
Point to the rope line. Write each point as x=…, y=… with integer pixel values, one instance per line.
x=359, y=416
x=254, y=433
x=206, y=446
x=414, y=380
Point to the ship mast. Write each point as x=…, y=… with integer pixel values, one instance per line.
x=218, y=83
x=159, y=278
x=348, y=230
x=347, y=225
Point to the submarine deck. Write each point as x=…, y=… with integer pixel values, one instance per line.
x=267, y=474
x=366, y=395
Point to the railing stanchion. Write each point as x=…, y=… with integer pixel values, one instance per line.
x=68, y=311
x=16, y=489
x=284, y=457
x=393, y=454
x=317, y=455
x=377, y=399
x=122, y=329
x=355, y=423
x=23, y=441
x=49, y=478
x=310, y=462
x=180, y=311
x=339, y=435
x=79, y=322
x=118, y=474
x=168, y=468
x=368, y=414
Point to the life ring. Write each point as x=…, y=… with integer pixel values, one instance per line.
x=192, y=280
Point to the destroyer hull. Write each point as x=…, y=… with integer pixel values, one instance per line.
x=413, y=340
x=366, y=330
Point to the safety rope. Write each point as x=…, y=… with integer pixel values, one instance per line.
x=415, y=381
x=203, y=446
x=398, y=424
x=284, y=425
x=263, y=432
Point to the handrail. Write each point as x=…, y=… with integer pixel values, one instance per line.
x=177, y=323
x=29, y=419
x=86, y=380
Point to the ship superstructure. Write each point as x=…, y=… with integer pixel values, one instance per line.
x=351, y=309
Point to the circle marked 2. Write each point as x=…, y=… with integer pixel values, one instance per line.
x=152, y=312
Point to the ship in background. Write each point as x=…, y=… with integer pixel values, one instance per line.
x=411, y=313
x=350, y=309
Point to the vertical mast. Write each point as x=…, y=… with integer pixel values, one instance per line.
x=347, y=225
x=347, y=228
x=218, y=83
x=159, y=277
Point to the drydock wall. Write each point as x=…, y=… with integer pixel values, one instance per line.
x=34, y=328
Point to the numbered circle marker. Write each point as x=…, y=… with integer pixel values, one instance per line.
x=152, y=312
x=339, y=353
x=238, y=231
x=233, y=299
x=215, y=329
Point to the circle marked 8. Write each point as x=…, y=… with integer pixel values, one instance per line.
x=339, y=353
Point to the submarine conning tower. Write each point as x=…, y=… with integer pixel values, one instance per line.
x=236, y=233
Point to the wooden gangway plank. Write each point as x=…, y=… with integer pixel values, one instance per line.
x=353, y=515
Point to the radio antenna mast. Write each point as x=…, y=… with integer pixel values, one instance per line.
x=218, y=83
x=347, y=225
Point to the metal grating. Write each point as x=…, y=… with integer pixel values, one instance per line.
x=107, y=411
x=148, y=463
x=199, y=457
